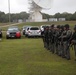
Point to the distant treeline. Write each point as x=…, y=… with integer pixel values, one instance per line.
x=23, y=15
x=13, y=17
x=67, y=16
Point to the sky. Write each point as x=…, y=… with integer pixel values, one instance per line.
x=17, y=6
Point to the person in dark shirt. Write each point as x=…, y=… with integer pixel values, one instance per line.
x=65, y=37
x=73, y=40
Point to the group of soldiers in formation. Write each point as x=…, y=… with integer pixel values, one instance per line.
x=59, y=38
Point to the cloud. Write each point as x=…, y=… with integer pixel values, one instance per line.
x=22, y=2
x=62, y=6
x=22, y=5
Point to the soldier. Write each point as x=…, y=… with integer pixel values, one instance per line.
x=60, y=43
x=52, y=39
x=65, y=37
x=45, y=37
x=56, y=39
x=0, y=34
x=73, y=40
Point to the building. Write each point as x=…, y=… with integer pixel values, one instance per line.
x=53, y=19
x=61, y=19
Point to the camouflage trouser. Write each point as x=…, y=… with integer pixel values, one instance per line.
x=75, y=50
x=53, y=48
x=56, y=47
x=0, y=36
x=50, y=46
x=60, y=49
x=47, y=44
x=44, y=44
x=66, y=50
x=74, y=43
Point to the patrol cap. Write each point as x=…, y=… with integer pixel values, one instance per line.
x=58, y=26
x=62, y=27
x=52, y=25
x=66, y=25
x=47, y=27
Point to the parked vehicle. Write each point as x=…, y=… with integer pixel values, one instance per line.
x=13, y=32
x=34, y=31
x=24, y=29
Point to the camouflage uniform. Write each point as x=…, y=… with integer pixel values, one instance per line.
x=52, y=40
x=66, y=36
x=60, y=45
x=73, y=40
x=45, y=37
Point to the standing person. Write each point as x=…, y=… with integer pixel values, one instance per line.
x=57, y=39
x=60, y=41
x=52, y=39
x=45, y=37
x=73, y=40
x=0, y=34
x=66, y=36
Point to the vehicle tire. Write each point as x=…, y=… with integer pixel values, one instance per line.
x=20, y=37
x=7, y=37
x=28, y=36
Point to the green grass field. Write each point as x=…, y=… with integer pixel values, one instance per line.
x=27, y=56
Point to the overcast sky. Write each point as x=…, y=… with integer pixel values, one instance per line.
x=17, y=6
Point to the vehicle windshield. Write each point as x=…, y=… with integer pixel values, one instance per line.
x=34, y=28
x=13, y=29
x=26, y=27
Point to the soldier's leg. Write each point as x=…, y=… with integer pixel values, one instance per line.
x=44, y=41
x=59, y=49
x=53, y=48
x=0, y=36
x=63, y=50
x=75, y=51
x=56, y=48
x=47, y=45
x=50, y=46
x=67, y=52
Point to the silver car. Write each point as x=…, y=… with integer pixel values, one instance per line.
x=34, y=31
x=24, y=29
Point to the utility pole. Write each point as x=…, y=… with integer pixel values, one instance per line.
x=9, y=12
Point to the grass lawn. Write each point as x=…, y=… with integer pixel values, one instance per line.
x=27, y=56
